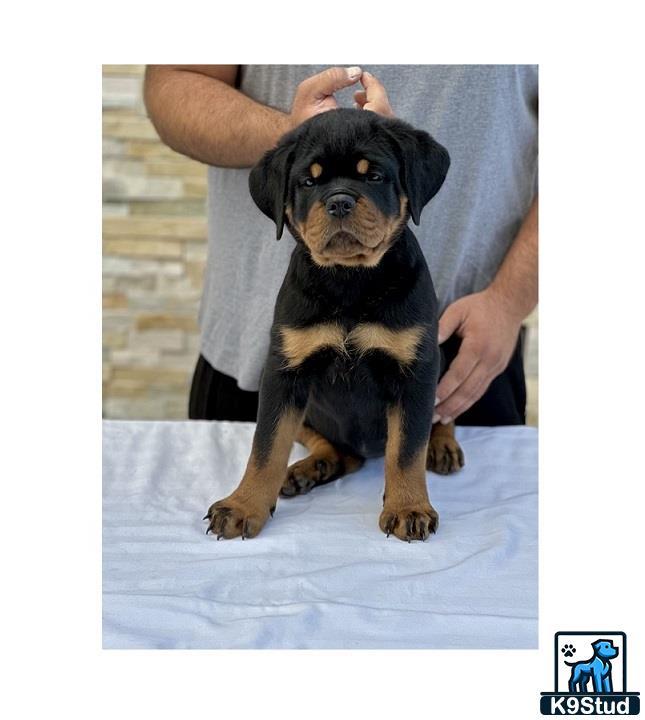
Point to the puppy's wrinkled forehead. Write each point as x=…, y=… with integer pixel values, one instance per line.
x=336, y=144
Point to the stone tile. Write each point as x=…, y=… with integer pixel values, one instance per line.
x=114, y=340
x=194, y=207
x=128, y=187
x=167, y=322
x=532, y=414
x=181, y=167
x=156, y=227
x=123, y=92
x=129, y=285
x=116, y=209
x=195, y=187
x=195, y=272
x=142, y=357
x=150, y=149
x=184, y=361
x=142, y=247
x=120, y=70
x=114, y=300
x=127, y=126
x=160, y=301
x=531, y=352
x=114, y=168
x=170, y=339
x=113, y=147
x=131, y=267
x=196, y=252
x=151, y=375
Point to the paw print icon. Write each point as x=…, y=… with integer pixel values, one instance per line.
x=568, y=650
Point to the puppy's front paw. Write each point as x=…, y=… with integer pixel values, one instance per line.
x=229, y=518
x=445, y=456
x=409, y=523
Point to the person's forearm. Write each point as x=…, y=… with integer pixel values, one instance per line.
x=208, y=120
x=516, y=282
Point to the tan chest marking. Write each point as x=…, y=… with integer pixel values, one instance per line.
x=400, y=344
x=300, y=343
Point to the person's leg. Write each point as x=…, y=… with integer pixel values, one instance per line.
x=215, y=396
x=504, y=403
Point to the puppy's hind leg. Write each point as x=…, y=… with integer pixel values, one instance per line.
x=445, y=456
x=326, y=463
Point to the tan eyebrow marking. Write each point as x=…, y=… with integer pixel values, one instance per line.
x=315, y=170
x=363, y=166
x=299, y=343
x=401, y=344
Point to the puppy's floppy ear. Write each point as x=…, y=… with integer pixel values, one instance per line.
x=268, y=183
x=424, y=165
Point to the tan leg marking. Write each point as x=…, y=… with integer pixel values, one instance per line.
x=299, y=343
x=445, y=456
x=245, y=511
x=326, y=463
x=407, y=512
x=400, y=344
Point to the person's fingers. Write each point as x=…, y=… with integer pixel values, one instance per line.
x=466, y=395
x=360, y=97
x=450, y=320
x=329, y=81
x=458, y=371
x=377, y=99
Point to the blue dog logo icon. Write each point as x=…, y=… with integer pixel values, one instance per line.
x=598, y=669
x=597, y=686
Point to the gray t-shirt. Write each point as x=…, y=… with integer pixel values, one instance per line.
x=485, y=115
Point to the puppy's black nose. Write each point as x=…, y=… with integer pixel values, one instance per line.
x=340, y=205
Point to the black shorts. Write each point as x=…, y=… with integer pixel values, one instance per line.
x=215, y=396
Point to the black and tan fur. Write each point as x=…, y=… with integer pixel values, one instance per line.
x=353, y=361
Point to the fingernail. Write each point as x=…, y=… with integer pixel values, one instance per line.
x=446, y=420
x=353, y=72
x=435, y=418
x=437, y=400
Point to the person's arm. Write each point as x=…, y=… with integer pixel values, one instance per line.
x=488, y=323
x=198, y=112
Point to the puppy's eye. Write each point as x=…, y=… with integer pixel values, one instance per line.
x=308, y=182
x=374, y=177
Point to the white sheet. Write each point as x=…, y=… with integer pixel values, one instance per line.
x=321, y=574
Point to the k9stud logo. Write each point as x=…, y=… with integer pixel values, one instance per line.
x=590, y=676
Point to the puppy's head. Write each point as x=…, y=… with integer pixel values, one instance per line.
x=346, y=182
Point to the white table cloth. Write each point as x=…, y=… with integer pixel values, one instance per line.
x=321, y=574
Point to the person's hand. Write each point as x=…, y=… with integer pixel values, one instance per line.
x=316, y=94
x=489, y=328
x=373, y=97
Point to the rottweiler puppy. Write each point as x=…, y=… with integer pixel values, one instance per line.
x=353, y=361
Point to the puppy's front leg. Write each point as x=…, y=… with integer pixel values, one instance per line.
x=280, y=414
x=407, y=512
